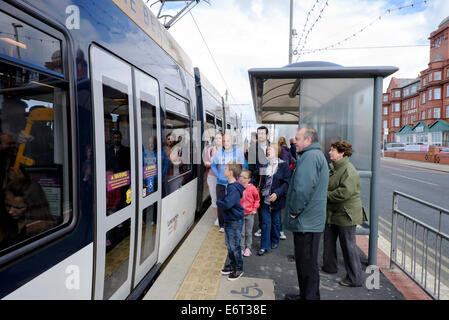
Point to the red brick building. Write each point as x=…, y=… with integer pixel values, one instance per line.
x=417, y=110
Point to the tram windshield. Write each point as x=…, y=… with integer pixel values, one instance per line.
x=23, y=42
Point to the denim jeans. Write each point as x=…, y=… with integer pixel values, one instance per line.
x=233, y=232
x=271, y=227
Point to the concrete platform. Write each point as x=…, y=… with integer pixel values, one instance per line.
x=194, y=273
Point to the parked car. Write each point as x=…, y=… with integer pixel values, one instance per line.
x=395, y=146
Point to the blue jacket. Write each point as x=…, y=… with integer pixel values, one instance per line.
x=233, y=211
x=307, y=193
x=221, y=157
x=279, y=185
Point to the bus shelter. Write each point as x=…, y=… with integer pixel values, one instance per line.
x=341, y=103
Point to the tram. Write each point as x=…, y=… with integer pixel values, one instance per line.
x=102, y=123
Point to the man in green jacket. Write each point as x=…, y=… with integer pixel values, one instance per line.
x=305, y=211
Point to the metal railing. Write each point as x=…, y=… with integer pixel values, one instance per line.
x=424, y=261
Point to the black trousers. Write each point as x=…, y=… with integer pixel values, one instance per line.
x=306, y=254
x=221, y=192
x=348, y=245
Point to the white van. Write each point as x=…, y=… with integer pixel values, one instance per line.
x=395, y=146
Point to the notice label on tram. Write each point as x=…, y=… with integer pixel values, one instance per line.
x=149, y=171
x=118, y=180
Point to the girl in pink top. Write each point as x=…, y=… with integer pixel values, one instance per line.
x=250, y=202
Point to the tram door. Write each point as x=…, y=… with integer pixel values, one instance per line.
x=152, y=163
x=115, y=175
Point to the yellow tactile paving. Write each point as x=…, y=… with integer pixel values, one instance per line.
x=203, y=279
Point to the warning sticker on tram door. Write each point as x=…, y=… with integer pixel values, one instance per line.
x=118, y=180
x=149, y=171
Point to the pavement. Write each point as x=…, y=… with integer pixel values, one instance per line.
x=193, y=272
x=419, y=164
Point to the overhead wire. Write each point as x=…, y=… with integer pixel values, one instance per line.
x=212, y=57
x=305, y=24
x=311, y=28
x=354, y=34
x=373, y=47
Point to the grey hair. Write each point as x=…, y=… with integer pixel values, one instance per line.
x=310, y=132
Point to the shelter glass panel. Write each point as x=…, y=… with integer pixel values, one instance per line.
x=340, y=109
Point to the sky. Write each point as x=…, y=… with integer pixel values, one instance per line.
x=244, y=34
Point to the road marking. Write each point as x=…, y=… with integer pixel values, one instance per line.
x=415, y=169
x=418, y=242
x=403, y=170
x=418, y=180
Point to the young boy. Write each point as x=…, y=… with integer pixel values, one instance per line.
x=233, y=220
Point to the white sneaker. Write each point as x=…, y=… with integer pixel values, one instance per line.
x=221, y=230
x=258, y=233
x=282, y=237
x=216, y=222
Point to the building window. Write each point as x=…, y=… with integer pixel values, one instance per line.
x=447, y=91
x=436, y=113
x=437, y=138
x=424, y=81
x=396, y=122
x=385, y=126
x=430, y=77
x=437, y=93
x=429, y=114
x=397, y=107
x=423, y=97
x=423, y=115
x=430, y=94
x=385, y=98
x=385, y=110
x=397, y=94
x=437, y=75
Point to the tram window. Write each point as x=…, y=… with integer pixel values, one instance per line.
x=117, y=258
x=149, y=222
x=23, y=42
x=150, y=144
x=117, y=137
x=34, y=197
x=177, y=144
x=219, y=123
x=209, y=130
x=210, y=120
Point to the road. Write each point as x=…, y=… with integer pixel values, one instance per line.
x=426, y=184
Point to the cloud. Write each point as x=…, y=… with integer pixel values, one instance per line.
x=254, y=33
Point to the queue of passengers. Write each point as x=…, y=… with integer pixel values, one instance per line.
x=316, y=197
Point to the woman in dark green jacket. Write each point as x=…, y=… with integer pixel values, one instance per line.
x=344, y=213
